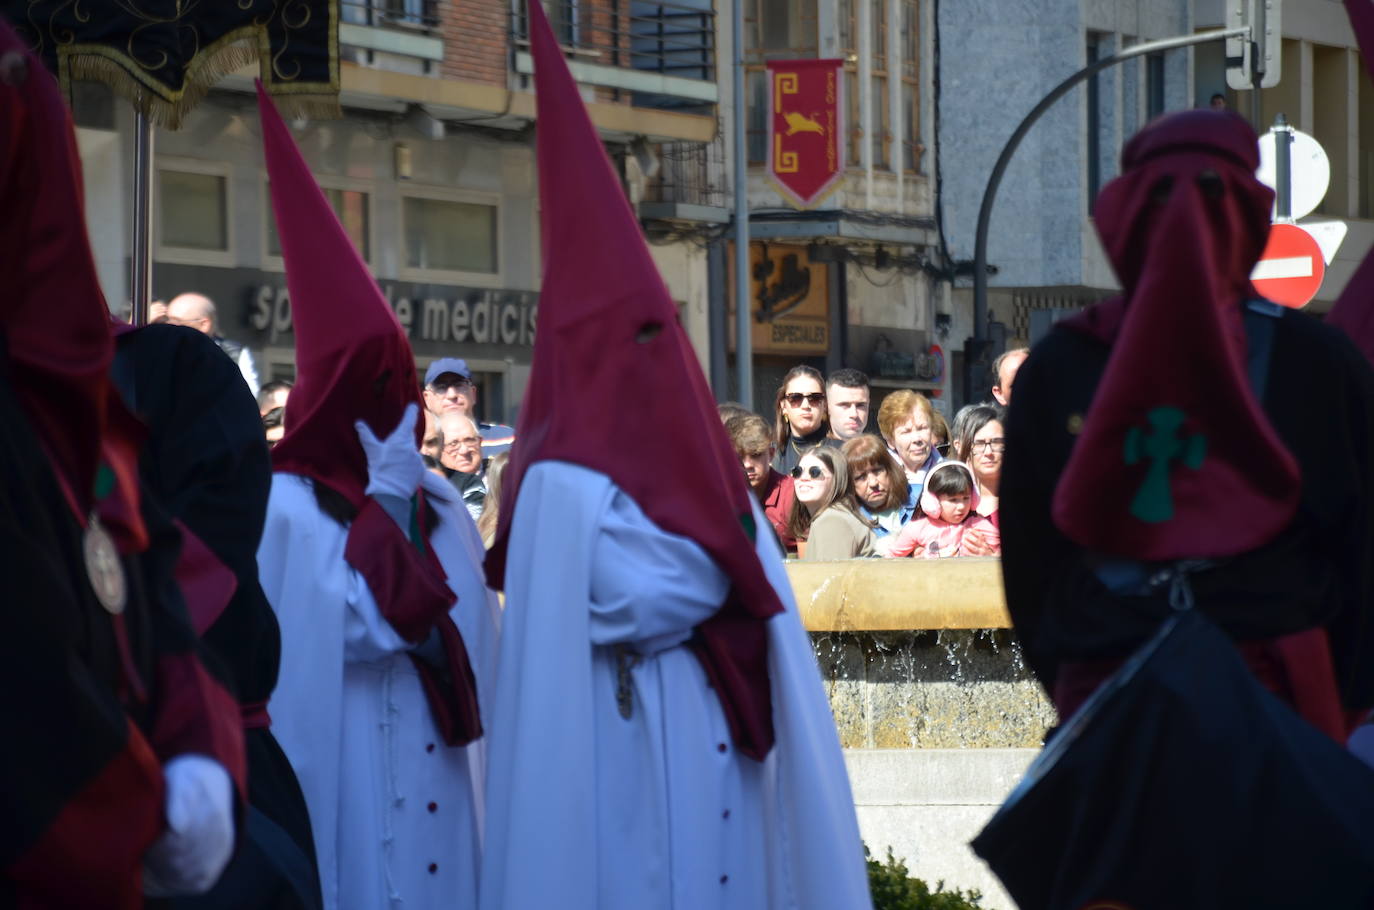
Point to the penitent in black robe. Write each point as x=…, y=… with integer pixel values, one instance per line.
x=1319, y=396
x=94, y=703
x=206, y=458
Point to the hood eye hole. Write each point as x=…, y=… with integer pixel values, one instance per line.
x=14, y=68
x=380, y=383
x=648, y=332
x=1211, y=185
x=1159, y=193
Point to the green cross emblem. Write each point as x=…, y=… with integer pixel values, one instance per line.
x=1162, y=445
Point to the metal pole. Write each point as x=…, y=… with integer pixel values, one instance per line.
x=1283, y=169
x=1257, y=43
x=744, y=353
x=141, y=290
x=980, y=246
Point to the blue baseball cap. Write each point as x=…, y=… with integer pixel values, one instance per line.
x=447, y=365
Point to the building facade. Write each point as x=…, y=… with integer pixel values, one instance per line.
x=431, y=169
x=858, y=280
x=998, y=59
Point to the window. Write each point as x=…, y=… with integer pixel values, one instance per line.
x=756, y=91
x=563, y=18
x=773, y=30
x=911, y=99
x=1093, y=148
x=352, y=208
x=449, y=236
x=882, y=135
x=1154, y=85
x=853, y=114
x=193, y=213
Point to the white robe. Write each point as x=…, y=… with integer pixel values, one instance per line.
x=588, y=809
x=396, y=813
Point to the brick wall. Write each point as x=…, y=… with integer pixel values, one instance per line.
x=475, y=40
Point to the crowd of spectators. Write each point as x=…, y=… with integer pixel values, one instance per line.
x=833, y=489
x=830, y=487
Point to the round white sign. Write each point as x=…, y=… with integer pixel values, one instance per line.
x=1311, y=171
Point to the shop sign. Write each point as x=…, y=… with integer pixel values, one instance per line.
x=806, y=132
x=790, y=301
x=433, y=314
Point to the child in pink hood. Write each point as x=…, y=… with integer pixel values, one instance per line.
x=950, y=503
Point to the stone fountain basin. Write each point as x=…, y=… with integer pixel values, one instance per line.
x=934, y=704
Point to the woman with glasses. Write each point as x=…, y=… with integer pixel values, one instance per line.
x=981, y=446
x=825, y=518
x=800, y=420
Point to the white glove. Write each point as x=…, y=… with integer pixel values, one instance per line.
x=393, y=464
x=189, y=858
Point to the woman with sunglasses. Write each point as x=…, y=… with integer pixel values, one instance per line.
x=825, y=519
x=981, y=445
x=800, y=419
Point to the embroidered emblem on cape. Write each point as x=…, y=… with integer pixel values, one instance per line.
x=104, y=569
x=1162, y=446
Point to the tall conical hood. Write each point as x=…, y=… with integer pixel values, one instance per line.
x=53, y=316
x=353, y=361
x=616, y=387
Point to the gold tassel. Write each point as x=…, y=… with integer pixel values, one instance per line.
x=168, y=108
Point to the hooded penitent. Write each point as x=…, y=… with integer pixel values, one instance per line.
x=608, y=329
x=55, y=322
x=353, y=363
x=1176, y=459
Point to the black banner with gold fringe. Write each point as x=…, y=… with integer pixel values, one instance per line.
x=164, y=55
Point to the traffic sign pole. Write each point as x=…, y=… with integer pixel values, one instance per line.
x=1283, y=167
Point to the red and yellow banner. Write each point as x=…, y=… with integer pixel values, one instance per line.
x=806, y=132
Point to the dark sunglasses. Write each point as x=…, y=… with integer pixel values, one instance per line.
x=796, y=398
x=814, y=472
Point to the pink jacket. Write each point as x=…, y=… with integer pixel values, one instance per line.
x=930, y=537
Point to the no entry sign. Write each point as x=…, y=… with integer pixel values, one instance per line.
x=1291, y=268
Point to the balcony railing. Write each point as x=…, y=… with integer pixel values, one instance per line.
x=423, y=14
x=675, y=41
x=690, y=174
x=392, y=34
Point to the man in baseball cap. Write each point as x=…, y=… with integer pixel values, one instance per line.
x=449, y=387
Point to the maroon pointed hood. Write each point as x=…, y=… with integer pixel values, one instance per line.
x=353, y=361
x=53, y=315
x=1176, y=458
x=608, y=328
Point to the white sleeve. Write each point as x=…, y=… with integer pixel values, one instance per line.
x=367, y=634
x=648, y=587
x=249, y=369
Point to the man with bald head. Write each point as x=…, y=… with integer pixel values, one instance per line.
x=198, y=312
x=461, y=458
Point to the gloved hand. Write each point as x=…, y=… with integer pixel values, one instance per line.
x=199, y=841
x=393, y=464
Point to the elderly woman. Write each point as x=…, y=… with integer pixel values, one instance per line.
x=906, y=419
x=981, y=446
x=880, y=486
x=824, y=514
x=800, y=418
